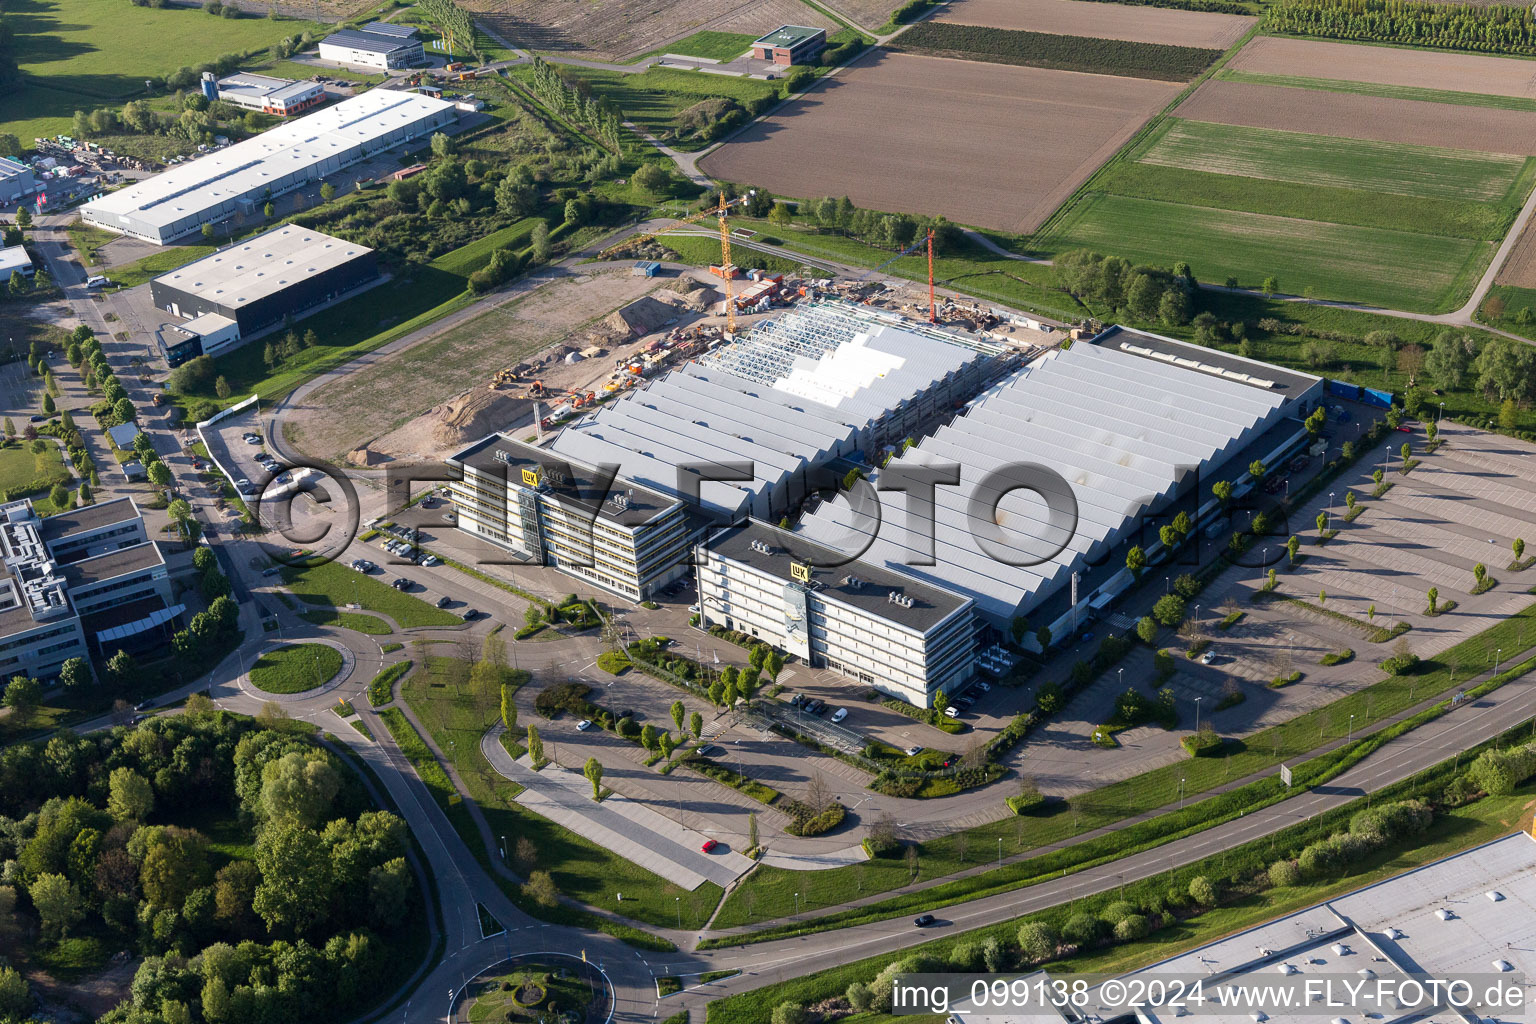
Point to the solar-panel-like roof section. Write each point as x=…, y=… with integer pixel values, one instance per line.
x=272, y=158
x=262, y=266
x=1121, y=430
x=800, y=390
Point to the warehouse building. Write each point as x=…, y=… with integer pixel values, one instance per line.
x=235, y=293
x=236, y=182
x=548, y=510
x=824, y=382
x=378, y=47
x=791, y=44
x=17, y=181
x=282, y=97
x=1128, y=423
x=77, y=584
x=15, y=260
x=877, y=627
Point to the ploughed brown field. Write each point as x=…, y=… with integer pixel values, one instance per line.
x=984, y=144
x=1520, y=268
x=619, y=29
x=1385, y=65
x=1103, y=20
x=871, y=14
x=1347, y=115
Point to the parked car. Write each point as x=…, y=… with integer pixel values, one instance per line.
x=709, y=750
x=913, y=751
x=448, y=517
x=271, y=570
x=470, y=614
x=1405, y=428
x=583, y=725
x=1299, y=463
x=429, y=560
x=984, y=687
x=709, y=844
x=951, y=712
x=250, y=438
x=400, y=583
x=1273, y=485
x=797, y=700
x=924, y=920
x=444, y=601
x=839, y=714
x=966, y=701
x=1208, y=658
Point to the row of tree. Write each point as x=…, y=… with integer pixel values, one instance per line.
x=577, y=103
x=1494, y=28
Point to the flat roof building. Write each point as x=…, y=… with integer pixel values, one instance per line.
x=550, y=510
x=15, y=260
x=77, y=582
x=283, y=97
x=791, y=44
x=1121, y=426
x=235, y=293
x=237, y=181
x=875, y=626
x=16, y=181
x=369, y=48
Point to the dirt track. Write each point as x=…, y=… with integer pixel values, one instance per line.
x=1346, y=115
x=983, y=144
x=619, y=29
x=1457, y=72
x=1105, y=21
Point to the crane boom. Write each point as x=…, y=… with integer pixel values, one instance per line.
x=927, y=239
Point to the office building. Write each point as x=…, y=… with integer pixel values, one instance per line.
x=239, y=180
x=79, y=584
x=791, y=44
x=282, y=97
x=17, y=181
x=371, y=48
x=548, y=510
x=877, y=627
x=15, y=260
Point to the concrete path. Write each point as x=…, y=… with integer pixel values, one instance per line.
x=630, y=829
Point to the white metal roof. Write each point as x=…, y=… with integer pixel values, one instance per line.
x=262, y=266
x=1120, y=429
x=14, y=258
x=272, y=157
x=208, y=323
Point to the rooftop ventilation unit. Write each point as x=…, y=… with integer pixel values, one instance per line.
x=1443, y=914
x=1494, y=896
x=1503, y=966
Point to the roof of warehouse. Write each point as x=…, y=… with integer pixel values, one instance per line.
x=862, y=585
x=788, y=35
x=10, y=168
x=768, y=399
x=262, y=266
x=1120, y=430
x=369, y=41
x=206, y=324
x=498, y=453
x=14, y=258
x=286, y=149
x=385, y=28
x=1207, y=360
x=267, y=87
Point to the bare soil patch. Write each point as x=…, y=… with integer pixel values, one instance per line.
x=404, y=396
x=870, y=14
x=1347, y=115
x=1385, y=65
x=1105, y=20
x=616, y=30
x=1519, y=269
x=1013, y=143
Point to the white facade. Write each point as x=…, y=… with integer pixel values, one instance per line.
x=880, y=629
x=376, y=51
x=242, y=178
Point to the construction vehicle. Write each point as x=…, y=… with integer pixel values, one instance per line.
x=457, y=65
x=536, y=389
x=725, y=270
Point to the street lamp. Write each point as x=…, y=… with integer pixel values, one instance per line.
x=1181, y=794
x=1496, y=656
x=797, y=903
x=999, y=851
x=1166, y=587
x=1441, y=413
x=678, y=902
x=1351, y=736
x=1197, y=713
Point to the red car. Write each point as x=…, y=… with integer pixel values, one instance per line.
x=709, y=844
x=1406, y=429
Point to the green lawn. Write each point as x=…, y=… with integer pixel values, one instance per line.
x=1339, y=163
x=295, y=668
x=156, y=263
x=721, y=46
x=656, y=96
x=82, y=54
x=1395, y=269
x=370, y=624
x=457, y=713
x=1401, y=92
x=22, y=472
x=336, y=585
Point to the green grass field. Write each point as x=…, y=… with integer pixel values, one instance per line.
x=1335, y=162
x=1395, y=269
x=22, y=472
x=335, y=585
x=722, y=46
x=295, y=668
x=1399, y=92
x=82, y=54
x=656, y=96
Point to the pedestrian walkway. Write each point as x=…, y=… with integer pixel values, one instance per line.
x=630, y=829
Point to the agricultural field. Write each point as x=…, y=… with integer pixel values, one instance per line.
x=1519, y=269
x=81, y=54
x=1401, y=226
x=1104, y=20
x=1384, y=65
x=870, y=14
x=1064, y=53
x=624, y=29
x=1347, y=115
x=654, y=98
x=1016, y=141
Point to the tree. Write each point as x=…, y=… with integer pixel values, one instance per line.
x=221, y=386
x=159, y=474
x=130, y=797
x=1037, y=941
x=1293, y=546
x=1449, y=359
x=650, y=739
x=390, y=887
x=1509, y=415
x=296, y=885
x=15, y=995
x=268, y=211
x=1271, y=286
x=298, y=788
x=696, y=724
x=651, y=177
x=1256, y=470
x=508, y=707
x=535, y=745
x=327, y=192
x=23, y=696
x=75, y=673
x=1147, y=629
x=781, y=215
x=1519, y=548
x=123, y=410
x=1222, y=489
x=1169, y=609
x=752, y=830
x=540, y=888
x=1136, y=561
x=593, y=770
x=1322, y=521
x=1434, y=598
x=49, y=405
x=1043, y=638
x=540, y=242
x=1203, y=891
x=679, y=714
x=58, y=904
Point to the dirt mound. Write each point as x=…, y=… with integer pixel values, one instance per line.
x=643, y=316
x=366, y=457
x=472, y=415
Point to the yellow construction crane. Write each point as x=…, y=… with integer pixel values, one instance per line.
x=727, y=270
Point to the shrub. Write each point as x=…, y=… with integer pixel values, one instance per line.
x=613, y=662
x=570, y=697
x=1037, y=941
x=1319, y=859
x=1401, y=664
x=859, y=997
x=1132, y=926
x=790, y=1013
x=1284, y=873
x=1048, y=699
x=1203, y=891
x=1498, y=772
x=966, y=956
x=1169, y=610
x=815, y=825
x=1204, y=743
x=1082, y=929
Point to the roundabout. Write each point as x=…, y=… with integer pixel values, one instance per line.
x=536, y=988
x=298, y=670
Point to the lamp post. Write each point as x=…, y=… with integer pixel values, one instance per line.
x=999, y=851
x=1181, y=794
x=503, y=847
x=1496, y=656
x=1440, y=414
x=677, y=901
x=1167, y=588
x=797, y=903
x=1197, y=713
x=1351, y=736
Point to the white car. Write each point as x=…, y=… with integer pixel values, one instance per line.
x=251, y=438
x=839, y=714
x=1208, y=658
x=951, y=712
x=583, y=725
x=913, y=751
x=984, y=687
x=429, y=561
